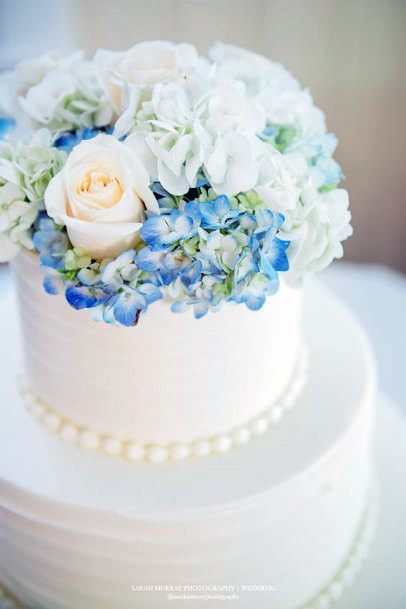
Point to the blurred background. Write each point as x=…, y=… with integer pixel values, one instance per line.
x=351, y=54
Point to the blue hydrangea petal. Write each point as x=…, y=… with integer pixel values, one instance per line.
x=181, y=226
x=245, y=266
x=85, y=297
x=156, y=230
x=192, y=210
x=6, y=125
x=179, y=306
x=53, y=284
x=149, y=259
x=200, y=309
x=274, y=257
x=128, y=307
x=254, y=302
x=191, y=274
x=221, y=206
x=150, y=291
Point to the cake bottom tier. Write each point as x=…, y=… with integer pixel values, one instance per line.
x=274, y=522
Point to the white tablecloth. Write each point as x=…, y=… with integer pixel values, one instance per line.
x=378, y=297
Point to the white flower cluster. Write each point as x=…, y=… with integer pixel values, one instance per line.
x=25, y=172
x=237, y=121
x=188, y=118
x=54, y=92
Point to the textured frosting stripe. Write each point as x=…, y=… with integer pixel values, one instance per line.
x=353, y=563
x=334, y=589
x=127, y=449
x=84, y=369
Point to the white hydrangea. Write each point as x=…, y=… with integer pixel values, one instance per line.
x=190, y=132
x=59, y=93
x=315, y=222
x=144, y=65
x=227, y=121
x=253, y=69
x=273, y=88
x=16, y=218
x=320, y=224
x=26, y=169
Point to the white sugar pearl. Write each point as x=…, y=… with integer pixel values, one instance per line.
x=347, y=576
x=336, y=591
x=112, y=446
x=180, y=451
x=37, y=410
x=52, y=421
x=134, y=452
x=89, y=440
x=296, y=388
x=157, y=454
x=69, y=433
x=202, y=448
x=29, y=398
x=241, y=435
x=323, y=602
x=222, y=443
x=288, y=401
x=260, y=426
x=275, y=415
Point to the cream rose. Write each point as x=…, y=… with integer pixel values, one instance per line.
x=100, y=195
x=146, y=63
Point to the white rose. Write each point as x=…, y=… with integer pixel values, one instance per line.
x=100, y=196
x=146, y=63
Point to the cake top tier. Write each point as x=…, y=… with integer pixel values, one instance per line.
x=159, y=173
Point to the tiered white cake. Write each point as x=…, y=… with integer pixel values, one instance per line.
x=287, y=511
x=181, y=202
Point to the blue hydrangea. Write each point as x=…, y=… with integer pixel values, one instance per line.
x=217, y=213
x=132, y=301
x=86, y=297
x=167, y=229
x=51, y=242
x=6, y=125
x=201, y=251
x=319, y=153
x=69, y=139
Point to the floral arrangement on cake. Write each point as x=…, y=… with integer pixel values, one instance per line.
x=156, y=173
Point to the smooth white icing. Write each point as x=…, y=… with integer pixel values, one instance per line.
x=170, y=379
x=77, y=530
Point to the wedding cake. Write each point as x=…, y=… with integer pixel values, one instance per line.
x=190, y=420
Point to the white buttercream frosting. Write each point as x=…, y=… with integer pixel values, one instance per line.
x=172, y=379
x=116, y=447
x=283, y=510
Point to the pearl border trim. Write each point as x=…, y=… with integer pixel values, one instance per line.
x=356, y=558
x=335, y=588
x=154, y=453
